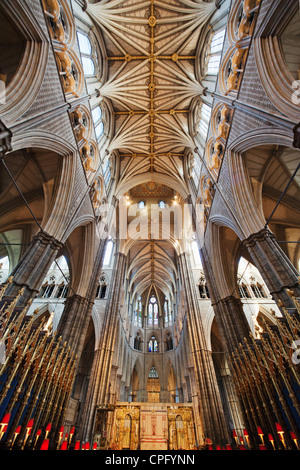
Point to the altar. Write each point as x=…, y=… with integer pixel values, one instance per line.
x=152, y=426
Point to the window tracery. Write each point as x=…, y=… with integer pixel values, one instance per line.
x=204, y=120
x=153, y=311
x=153, y=345
x=257, y=290
x=153, y=373
x=88, y=54
x=138, y=312
x=98, y=121
x=213, y=57
x=243, y=290
x=167, y=313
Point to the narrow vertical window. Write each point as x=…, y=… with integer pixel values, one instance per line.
x=214, y=56
x=86, y=51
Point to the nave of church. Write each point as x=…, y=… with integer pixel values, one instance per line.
x=149, y=225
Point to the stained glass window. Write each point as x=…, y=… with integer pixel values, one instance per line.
x=153, y=373
x=153, y=312
x=138, y=313
x=153, y=345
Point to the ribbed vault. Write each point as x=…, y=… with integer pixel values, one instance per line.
x=151, y=54
x=151, y=82
x=151, y=263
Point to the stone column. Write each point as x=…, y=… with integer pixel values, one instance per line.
x=232, y=322
x=76, y=315
x=275, y=267
x=101, y=370
x=210, y=406
x=34, y=265
x=230, y=317
x=235, y=413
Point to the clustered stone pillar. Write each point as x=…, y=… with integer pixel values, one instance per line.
x=232, y=322
x=230, y=317
x=233, y=328
x=210, y=407
x=275, y=267
x=99, y=385
x=34, y=265
x=76, y=315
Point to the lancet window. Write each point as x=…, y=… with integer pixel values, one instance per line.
x=86, y=51
x=153, y=311
x=153, y=345
x=214, y=56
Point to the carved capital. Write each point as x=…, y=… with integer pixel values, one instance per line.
x=260, y=236
x=46, y=239
x=5, y=139
x=296, y=130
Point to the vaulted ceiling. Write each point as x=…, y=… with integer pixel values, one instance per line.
x=151, y=54
x=151, y=47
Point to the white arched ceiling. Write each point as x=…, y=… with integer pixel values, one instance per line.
x=151, y=80
x=151, y=263
x=151, y=84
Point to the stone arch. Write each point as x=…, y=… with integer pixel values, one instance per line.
x=79, y=247
x=225, y=251
x=22, y=89
x=59, y=204
x=172, y=384
x=135, y=385
x=276, y=77
x=247, y=192
x=259, y=185
x=125, y=185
